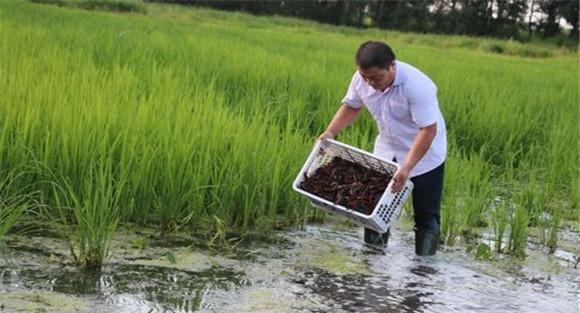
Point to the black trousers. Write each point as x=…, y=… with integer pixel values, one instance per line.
x=427, y=192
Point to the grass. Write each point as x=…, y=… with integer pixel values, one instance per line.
x=14, y=201
x=182, y=117
x=518, y=231
x=95, y=215
x=499, y=220
x=99, y=5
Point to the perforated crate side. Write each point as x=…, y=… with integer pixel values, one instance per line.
x=390, y=207
x=360, y=158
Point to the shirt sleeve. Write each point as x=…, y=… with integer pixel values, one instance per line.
x=352, y=98
x=424, y=105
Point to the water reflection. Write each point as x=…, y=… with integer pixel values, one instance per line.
x=295, y=275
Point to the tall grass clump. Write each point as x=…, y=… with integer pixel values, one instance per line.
x=14, y=201
x=468, y=195
x=518, y=231
x=92, y=211
x=479, y=192
x=499, y=219
x=451, y=213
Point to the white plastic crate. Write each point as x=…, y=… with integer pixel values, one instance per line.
x=389, y=206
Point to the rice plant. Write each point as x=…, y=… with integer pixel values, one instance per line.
x=451, y=208
x=93, y=213
x=499, y=220
x=14, y=201
x=518, y=236
x=552, y=241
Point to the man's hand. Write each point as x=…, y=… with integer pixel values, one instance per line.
x=400, y=178
x=326, y=135
x=420, y=145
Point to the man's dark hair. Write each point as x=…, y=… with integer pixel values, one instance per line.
x=374, y=53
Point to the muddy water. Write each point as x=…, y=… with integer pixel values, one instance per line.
x=322, y=268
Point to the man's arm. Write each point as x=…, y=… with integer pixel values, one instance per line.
x=419, y=148
x=343, y=118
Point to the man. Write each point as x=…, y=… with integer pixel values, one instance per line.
x=403, y=101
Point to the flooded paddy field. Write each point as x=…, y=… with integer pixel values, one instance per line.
x=190, y=120
x=320, y=268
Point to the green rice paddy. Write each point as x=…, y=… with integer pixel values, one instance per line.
x=184, y=118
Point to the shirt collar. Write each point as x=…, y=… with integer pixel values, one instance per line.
x=399, y=78
x=398, y=74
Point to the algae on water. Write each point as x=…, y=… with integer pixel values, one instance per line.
x=41, y=301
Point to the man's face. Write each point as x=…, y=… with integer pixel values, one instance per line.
x=378, y=78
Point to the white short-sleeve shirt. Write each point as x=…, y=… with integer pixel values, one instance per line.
x=409, y=104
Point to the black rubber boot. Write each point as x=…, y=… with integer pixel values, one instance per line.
x=375, y=238
x=426, y=241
